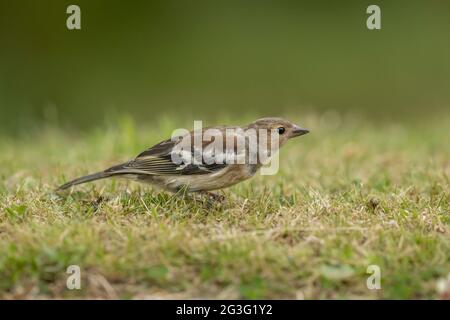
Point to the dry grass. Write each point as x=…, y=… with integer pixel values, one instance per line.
x=348, y=195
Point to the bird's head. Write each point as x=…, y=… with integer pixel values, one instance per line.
x=283, y=128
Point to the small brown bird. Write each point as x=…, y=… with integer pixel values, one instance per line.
x=205, y=159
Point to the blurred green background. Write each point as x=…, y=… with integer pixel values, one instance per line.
x=205, y=59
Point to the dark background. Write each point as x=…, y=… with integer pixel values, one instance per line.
x=206, y=59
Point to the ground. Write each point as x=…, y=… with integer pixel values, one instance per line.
x=351, y=194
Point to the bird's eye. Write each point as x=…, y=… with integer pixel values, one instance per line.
x=281, y=130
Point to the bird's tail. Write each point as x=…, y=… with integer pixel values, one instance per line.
x=113, y=171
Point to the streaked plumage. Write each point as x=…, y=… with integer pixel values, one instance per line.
x=156, y=166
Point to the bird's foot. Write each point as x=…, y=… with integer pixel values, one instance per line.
x=214, y=196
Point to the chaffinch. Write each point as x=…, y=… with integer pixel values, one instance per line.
x=204, y=159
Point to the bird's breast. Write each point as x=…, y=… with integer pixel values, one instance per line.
x=224, y=178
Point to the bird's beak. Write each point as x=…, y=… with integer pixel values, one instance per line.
x=298, y=131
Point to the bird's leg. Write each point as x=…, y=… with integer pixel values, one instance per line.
x=214, y=196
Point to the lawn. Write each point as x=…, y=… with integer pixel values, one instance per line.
x=352, y=193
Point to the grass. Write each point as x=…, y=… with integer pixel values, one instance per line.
x=350, y=194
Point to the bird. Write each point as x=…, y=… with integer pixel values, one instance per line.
x=205, y=159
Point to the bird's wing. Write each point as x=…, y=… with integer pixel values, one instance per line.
x=183, y=157
x=164, y=165
x=162, y=148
